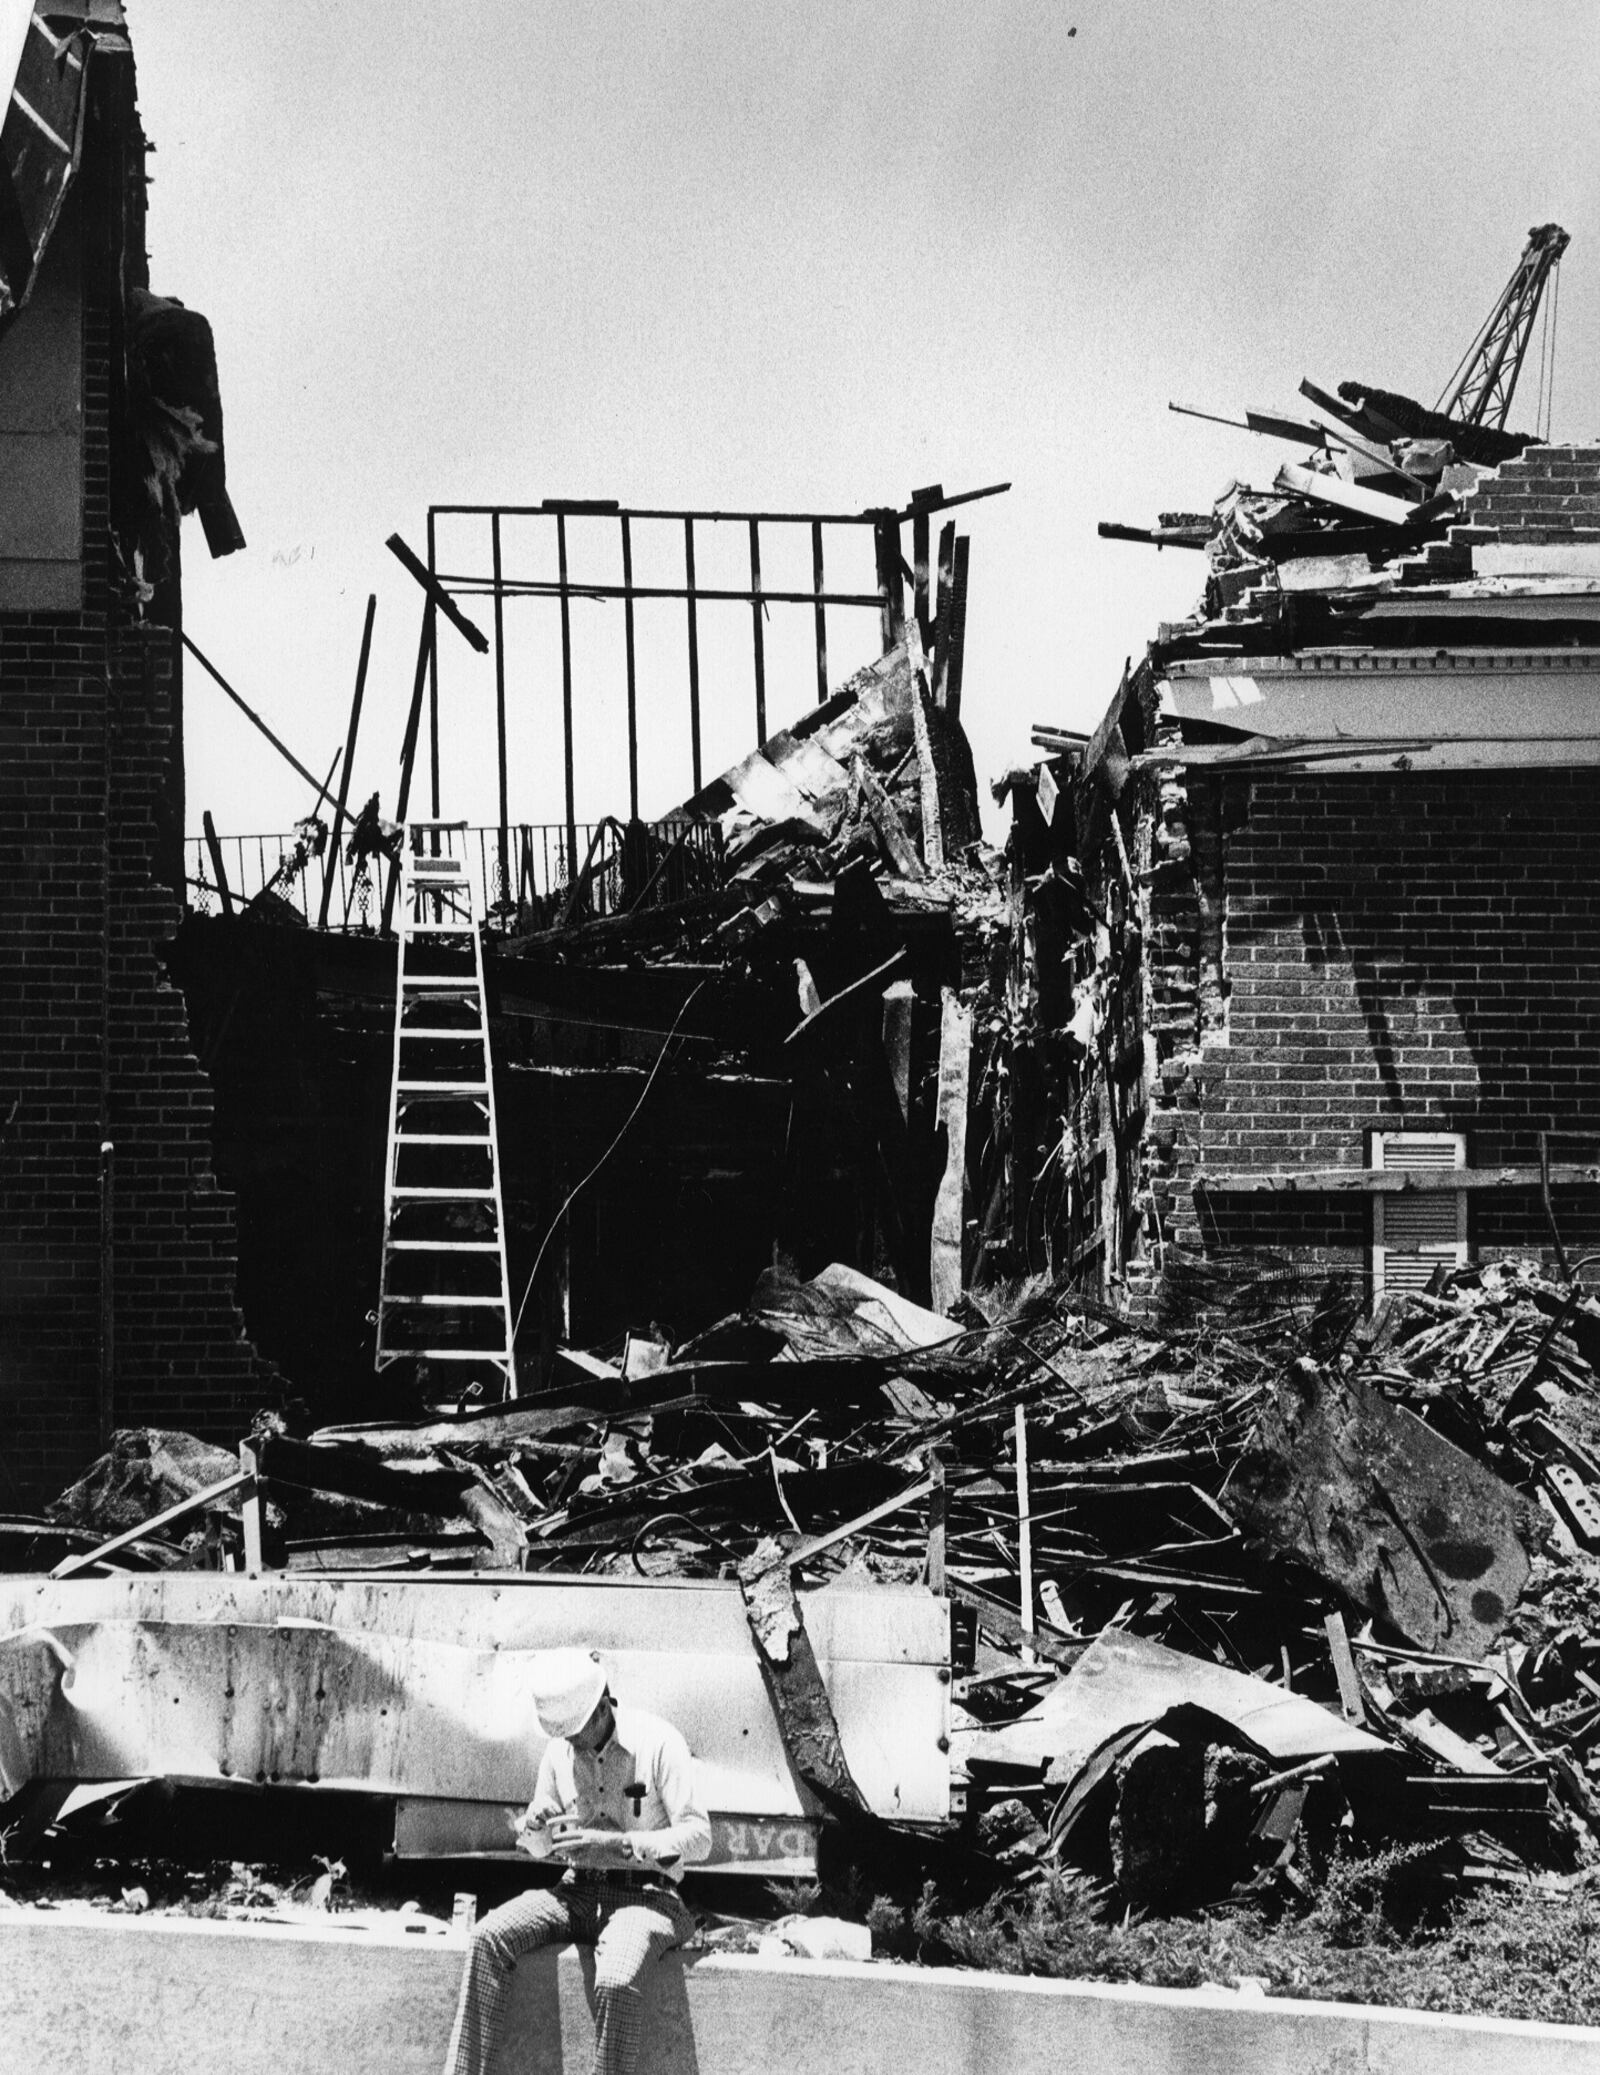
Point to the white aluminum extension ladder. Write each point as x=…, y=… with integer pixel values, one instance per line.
x=443, y=1297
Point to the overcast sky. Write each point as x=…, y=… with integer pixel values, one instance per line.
x=805, y=257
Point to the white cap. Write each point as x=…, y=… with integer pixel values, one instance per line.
x=567, y=1686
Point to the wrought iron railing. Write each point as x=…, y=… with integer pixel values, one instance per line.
x=621, y=868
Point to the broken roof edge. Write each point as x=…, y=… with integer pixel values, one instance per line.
x=64, y=108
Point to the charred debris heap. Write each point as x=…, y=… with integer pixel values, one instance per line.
x=1228, y=1591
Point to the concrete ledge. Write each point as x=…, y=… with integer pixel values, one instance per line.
x=137, y=1995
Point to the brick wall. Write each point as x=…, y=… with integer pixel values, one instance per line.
x=1547, y=496
x=1407, y=953
x=93, y=1040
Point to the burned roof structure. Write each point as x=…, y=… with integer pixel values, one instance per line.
x=733, y=1034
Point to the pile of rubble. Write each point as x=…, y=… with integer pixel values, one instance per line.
x=1268, y=1576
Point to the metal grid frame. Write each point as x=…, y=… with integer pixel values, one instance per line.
x=894, y=573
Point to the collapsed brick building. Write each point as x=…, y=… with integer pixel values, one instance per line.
x=1293, y=957
x=1317, y=906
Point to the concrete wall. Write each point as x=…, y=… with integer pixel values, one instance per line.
x=140, y=1996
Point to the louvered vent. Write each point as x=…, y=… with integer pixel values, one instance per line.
x=1413, y=1234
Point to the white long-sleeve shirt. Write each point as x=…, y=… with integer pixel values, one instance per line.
x=641, y=1783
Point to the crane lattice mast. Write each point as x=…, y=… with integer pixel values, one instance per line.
x=1480, y=391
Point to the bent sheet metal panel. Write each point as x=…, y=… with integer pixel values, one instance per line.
x=1122, y=1680
x=419, y=1687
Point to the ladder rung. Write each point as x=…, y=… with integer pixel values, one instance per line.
x=465, y=1195
x=442, y=1246
x=455, y=1354
x=441, y=1302
x=439, y=902
x=443, y=1138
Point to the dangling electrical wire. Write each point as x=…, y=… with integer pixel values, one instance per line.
x=578, y=1187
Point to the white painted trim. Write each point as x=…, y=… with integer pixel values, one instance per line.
x=1558, y=558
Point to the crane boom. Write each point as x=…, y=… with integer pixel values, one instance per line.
x=1480, y=391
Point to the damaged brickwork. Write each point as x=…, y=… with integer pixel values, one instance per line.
x=1328, y=957
x=1355, y=788
x=117, y=1249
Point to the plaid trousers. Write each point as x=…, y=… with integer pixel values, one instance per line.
x=629, y=1929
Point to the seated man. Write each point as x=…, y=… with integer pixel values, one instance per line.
x=616, y=1800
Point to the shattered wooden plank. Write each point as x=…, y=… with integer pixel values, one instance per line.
x=802, y=1552
x=933, y=1570
x=438, y=597
x=250, y=1507
x=195, y=1503
x=927, y=772
x=1352, y=497
x=945, y=1272
x=952, y=660
x=793, y=1680
x=1344, y=1670
x=945, y=618
x=1024, y=1527
x=1386, y=1510
x=892, y=831
x=899, y=999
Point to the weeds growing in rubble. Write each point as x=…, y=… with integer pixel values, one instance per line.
x=1378, y=1898
x=1383, y=1929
